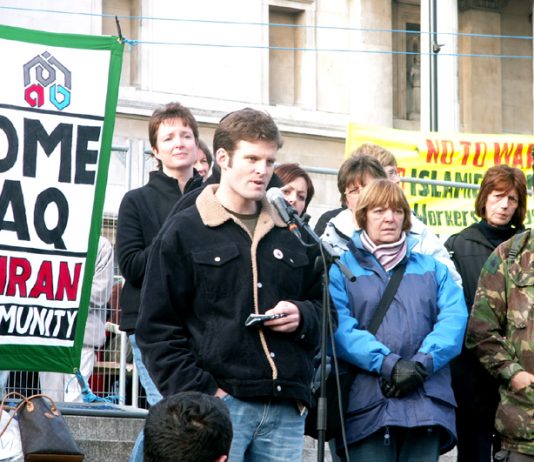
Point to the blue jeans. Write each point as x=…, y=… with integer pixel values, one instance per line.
x=152, y=396
x=265, y=431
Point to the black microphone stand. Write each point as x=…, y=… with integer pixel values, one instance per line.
x=332, y=258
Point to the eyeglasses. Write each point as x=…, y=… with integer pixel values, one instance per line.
x=392, y=172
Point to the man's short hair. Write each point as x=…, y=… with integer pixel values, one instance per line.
x=245, y=125
x=189, y=427
x=171, y=111
x=385, y=157
x=355, y=169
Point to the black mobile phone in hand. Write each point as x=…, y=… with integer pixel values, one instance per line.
x=256, y=319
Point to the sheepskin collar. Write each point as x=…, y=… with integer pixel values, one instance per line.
x=214, y=214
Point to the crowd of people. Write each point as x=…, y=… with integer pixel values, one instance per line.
x=223, y=306
x=202, y=249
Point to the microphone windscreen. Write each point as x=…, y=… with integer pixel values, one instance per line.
x=273, y=194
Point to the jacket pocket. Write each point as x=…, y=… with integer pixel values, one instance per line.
x=515, y=414
x=215, y=269
x=438, y=387
x=288, y=264
x=365, y=394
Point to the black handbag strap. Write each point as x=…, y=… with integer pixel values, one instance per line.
x=387, y=297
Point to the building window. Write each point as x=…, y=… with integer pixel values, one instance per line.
x=407, y=62
x=285, y=60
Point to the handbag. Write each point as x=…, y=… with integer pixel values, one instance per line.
x=44, y=433
x=347, y=372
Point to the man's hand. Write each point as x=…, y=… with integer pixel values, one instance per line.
x=521, y=380
x=220, y=393
x=289, y=323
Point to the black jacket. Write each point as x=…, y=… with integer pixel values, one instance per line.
x=476, y=391
x=469, y=250
x=141, y=215
x=205, y=275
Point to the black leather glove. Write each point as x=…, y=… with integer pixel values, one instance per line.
x=405, y=378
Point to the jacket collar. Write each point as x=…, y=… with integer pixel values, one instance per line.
x=212, y=213
x=344, y=223
x=166, y=181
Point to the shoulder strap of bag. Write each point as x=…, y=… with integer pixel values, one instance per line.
x=449, y=245
x=517, y=242
x=387, y=297
x=389, y=293
x=20, y=405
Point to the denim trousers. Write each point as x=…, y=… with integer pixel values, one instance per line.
x=152, y=396
x=265, y=430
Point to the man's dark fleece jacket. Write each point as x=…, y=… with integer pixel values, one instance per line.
x=205, y=275
x=141, y=214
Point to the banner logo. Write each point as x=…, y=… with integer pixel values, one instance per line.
x=43, y=75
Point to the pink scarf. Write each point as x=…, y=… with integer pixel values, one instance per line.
x=388, y=255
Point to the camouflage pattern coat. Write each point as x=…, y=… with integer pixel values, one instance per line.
x=501, y=332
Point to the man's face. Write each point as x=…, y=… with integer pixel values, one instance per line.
x=175, y=146
x=247, y=172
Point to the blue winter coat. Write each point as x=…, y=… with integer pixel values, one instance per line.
x=425, y=322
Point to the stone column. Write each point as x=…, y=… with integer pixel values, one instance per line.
x=371, y=92
x=448, y=97
x=481, y=78
x=447, y=71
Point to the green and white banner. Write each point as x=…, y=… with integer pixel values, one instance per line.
x=58, y=97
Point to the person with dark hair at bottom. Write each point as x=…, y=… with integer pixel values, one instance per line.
x=188, y=427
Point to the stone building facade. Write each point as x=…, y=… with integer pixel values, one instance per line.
x=313, y=64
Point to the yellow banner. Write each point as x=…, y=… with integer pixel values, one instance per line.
x=444, y=157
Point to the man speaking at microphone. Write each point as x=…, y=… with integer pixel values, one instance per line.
x=214, y=265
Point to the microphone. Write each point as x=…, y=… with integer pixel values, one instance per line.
x=275, y=196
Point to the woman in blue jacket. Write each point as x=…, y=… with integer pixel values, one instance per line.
x=401, y=405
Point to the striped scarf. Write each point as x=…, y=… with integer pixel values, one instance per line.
x=388, y=255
